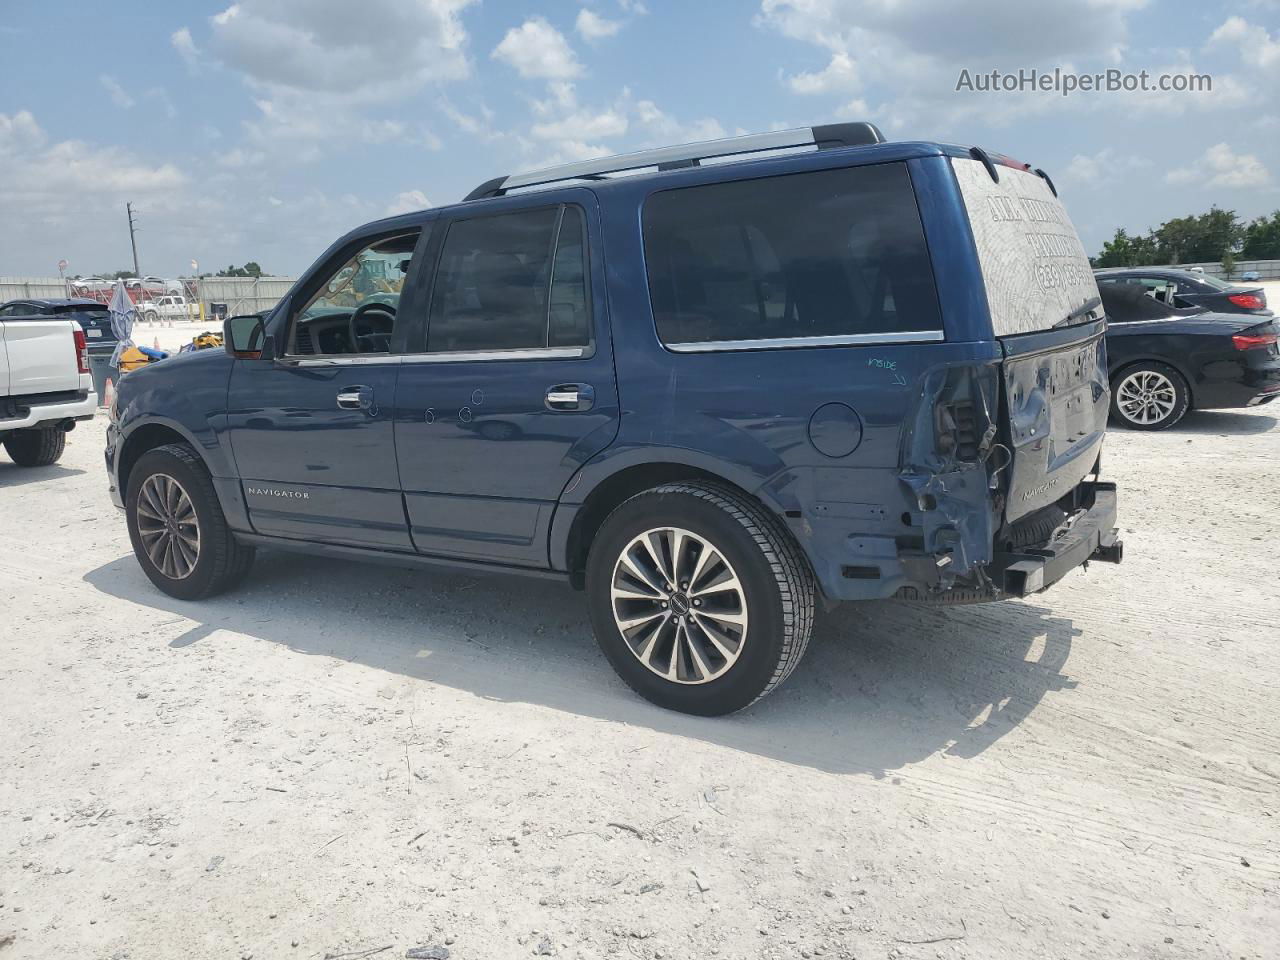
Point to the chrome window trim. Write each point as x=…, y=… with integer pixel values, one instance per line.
x=517, y=353
x=355, y=360
x=792, y=343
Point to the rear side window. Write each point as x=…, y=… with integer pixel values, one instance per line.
x=515, y=281
x=835, y=253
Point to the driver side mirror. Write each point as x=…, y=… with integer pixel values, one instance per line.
x=245, y=337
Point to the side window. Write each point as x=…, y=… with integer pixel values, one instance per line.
x=835, y=253
x=510, y=282
x=353, y=308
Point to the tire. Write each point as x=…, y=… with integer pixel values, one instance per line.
x=151, y=316
x=724, y=665
x=220, y=560
x=36, y=448
x=1167, y=397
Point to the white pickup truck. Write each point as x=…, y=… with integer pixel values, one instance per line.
x=167, y=308
x=45, y=385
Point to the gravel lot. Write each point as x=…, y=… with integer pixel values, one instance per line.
x=341, y=758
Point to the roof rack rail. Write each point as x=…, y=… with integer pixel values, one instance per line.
x=687, y=155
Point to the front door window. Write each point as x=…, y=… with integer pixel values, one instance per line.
x=354, y=309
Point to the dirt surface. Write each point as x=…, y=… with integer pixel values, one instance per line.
x=339, y=758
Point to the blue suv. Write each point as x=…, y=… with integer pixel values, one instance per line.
x=713, y=385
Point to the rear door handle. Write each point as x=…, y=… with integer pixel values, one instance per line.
x=357, y=398
x=564, y=397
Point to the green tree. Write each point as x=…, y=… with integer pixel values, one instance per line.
x=1123, y=250
x=250, y=269
x=1198, y=239
x=1228, y=265
x=1262, y=238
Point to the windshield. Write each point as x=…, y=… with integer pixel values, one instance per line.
x=1214, y=282
x=1035, y=270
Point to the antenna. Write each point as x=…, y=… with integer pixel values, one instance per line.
x=133, y=241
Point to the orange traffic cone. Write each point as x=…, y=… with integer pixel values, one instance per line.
x=156, y=343
x=108, y=393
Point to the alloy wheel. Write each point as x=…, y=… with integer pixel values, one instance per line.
x=167, y=526
x=1146, y=397
x=679, y=605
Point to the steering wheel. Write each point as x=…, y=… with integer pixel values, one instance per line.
x=376, y=335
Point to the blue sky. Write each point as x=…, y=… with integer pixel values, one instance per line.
x=263, y=129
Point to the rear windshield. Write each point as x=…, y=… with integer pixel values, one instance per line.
x=834, y=253
x=1035, y=270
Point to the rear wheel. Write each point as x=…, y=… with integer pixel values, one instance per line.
x=1149, y=396
x=179, y=533
x=699, y=597
x=36, y=448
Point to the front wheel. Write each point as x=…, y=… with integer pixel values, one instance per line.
x=36, y=448
x=1149, y=396
x=177, y=527
x=699, y=597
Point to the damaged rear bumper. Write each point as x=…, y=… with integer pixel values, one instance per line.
x=1091, y=536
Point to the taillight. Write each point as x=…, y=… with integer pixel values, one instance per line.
x=82, y=350
x=1251, y=341
x=1250, y=301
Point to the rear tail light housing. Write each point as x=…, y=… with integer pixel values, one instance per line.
x=1249, y=301
x=1253, y=341
x=82, y=351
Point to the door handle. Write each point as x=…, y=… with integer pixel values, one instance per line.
x=565, y=397
x=357, y=398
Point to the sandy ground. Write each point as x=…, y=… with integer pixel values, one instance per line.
x=341, y=761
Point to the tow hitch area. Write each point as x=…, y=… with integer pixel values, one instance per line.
x=1092, y=536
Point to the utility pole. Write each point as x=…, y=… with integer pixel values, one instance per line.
x=133, y=241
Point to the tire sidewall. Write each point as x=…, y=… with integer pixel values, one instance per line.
x=199, y=582
x=755, y=667
x=1181, y=392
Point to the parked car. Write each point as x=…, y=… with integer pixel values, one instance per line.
x=712, y=395
x=1182, y=288
x=90, y=283
x=93, y=317
x=45, y=384
x=1251, y=276
x=167, y=308
x=1164, y=361
x=162, y=285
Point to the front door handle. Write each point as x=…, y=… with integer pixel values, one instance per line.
x=357, y=398
x=565, y=397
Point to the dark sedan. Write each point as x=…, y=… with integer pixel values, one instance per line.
x=1185, y=288
x=1164, y=360
x=92, y=316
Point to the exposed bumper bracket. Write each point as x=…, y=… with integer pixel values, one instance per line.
x=1092, y=536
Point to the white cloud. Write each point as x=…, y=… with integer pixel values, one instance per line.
x=182, y=42
x=371, y=51
x=538, y=50
x=238, y=158
x=1257, y=47
x=839, y=75
x=119, y=96
x=592, y=26
x=583, y=125
x=1220, y=166
x=1105, y=166
x=407, y=202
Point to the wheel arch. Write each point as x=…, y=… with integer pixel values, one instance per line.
x=1130, y=362
x=575, y=525
x=148, y=436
